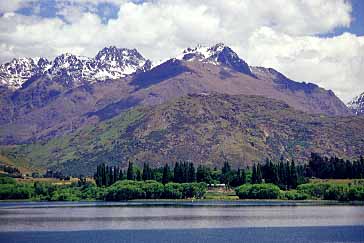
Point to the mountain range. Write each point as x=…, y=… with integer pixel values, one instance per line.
x=109, y=63
x=42, y=101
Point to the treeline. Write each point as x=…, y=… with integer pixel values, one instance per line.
x=107, y=175
x=286, y=175
x=334, y=168
x=10, y=189
x=183, y=172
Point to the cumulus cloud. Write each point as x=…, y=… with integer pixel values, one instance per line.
x=335, y=63
x=11, y=5
x=277, y=33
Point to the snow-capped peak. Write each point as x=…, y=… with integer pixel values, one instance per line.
x=68, y=60
x=356, y=105
x=14, y=73
x=216, y=54
x=121, y=61
x=202, y=53
x=109, y=63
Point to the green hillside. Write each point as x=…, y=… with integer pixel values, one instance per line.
x=204, y=129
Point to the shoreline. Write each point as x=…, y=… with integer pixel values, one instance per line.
x=190, y=202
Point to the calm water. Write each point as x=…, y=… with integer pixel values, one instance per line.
x=180, y=222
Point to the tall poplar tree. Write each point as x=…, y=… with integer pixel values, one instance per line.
x=166, y=174
x=130, y=173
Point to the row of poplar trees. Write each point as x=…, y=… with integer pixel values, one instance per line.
x=182, y=172
x=284, y=174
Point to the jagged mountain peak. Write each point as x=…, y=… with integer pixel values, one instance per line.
x=109, y=63
x=202, y=52
x=113, y=53
x=68, y=60
x=129, y=60
x=356, y=105
x=14, y=73
x=217, y=54
x=23, y=63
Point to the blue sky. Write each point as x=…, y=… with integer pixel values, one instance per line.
x=49, y=9
x=319, y=41
x=357, y=24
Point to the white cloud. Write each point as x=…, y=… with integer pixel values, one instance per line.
x=277, y=33
x=334, y=63
x=7, y=6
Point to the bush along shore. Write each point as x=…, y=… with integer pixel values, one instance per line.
x=280, y=180
x=128, y=190
x=313, y=191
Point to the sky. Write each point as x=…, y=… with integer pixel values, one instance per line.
x=318, y=41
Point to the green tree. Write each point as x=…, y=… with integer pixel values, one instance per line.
x=130, y=172
x=203, y=174
x=121, y=175
x=191, y=173
x=227, y=175
x=259, y=174
x=166, y=174
x=177, y=173
x=239, y=178
x=138, y=175
x=147, y=173
x=254, y=179
x=226, y=168
x=293, y=175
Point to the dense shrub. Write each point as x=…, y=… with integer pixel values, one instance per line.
x=337, y=192
x=66, y=193
x=173, y=191
x=7, y=180
x=315, y=190
x=15, y=191
x=125, y=190
x=196, y=190
x=153, y=189
x=331, y=191
x=293, y=195
x=128, y=190
x=43, y=190
x=257, y=191
x=356, y=193
x=93, y=192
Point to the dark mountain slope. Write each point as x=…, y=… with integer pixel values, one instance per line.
x=202, y=128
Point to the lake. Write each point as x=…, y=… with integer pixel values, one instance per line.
x=170, y=221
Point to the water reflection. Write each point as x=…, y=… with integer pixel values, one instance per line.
x=71, y=217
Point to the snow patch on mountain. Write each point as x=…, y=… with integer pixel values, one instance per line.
x=218, y=54
x=356, y=105
x=14, y=73
x=109, y=63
